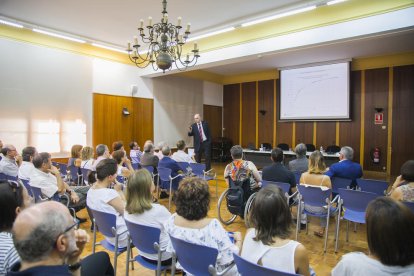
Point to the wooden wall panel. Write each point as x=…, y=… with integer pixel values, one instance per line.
x=110, y=125
x=349, y=132
x=304, y=133
x=284, y=130
x=266, y=103
x=402, y=117
x=376, y=95
x=325, y=134
x=248, y=114
x=231, y=112
x=213, y=116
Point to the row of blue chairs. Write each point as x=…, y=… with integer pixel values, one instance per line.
x=146, y=239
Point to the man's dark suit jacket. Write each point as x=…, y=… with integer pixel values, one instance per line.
x=196, y=134
x=149, y=159
x=167, y=162
x=345, y=169
x=278, y=173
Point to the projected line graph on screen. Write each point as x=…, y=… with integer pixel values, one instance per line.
x=312, y=93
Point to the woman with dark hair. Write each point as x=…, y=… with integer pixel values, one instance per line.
x=403, y=187
x=390, y=228
x=13, y=199
x=121, y=158
x=315, y=177
x=268, y=243
x=191, y=223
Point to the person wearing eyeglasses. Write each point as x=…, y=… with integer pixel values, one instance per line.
x=49, y=242
x=13, y=199
x=11, y=161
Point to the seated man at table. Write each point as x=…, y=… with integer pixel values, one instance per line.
x=345, y=168
x=300, y=164
x=277, y=172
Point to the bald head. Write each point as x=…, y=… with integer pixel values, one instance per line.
x=36, y=229
x=9, y=150
x=197, y=118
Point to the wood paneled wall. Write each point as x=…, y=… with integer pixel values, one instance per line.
x=370, y=89
x=109, y=124
x=213, y=115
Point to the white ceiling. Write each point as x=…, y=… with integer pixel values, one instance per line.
x=115, y=22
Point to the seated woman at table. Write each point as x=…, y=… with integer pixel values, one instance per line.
x=191, y=223
x=403, y=187
x=315, y=177
x=268, y=243
x=390, y=228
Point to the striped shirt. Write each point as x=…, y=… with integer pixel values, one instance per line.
x=8, y=254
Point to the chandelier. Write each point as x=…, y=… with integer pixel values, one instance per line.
x=164, y=44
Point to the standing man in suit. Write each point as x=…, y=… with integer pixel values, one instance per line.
x=345, y=168
x=202, y=140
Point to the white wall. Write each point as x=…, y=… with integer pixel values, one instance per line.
x=212, y=93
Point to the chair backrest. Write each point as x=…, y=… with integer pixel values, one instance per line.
x=120, y=179
x=198, y=168
x=63, y=168
x=148, y=168
x=356, y=200
x=37, y=194
x=105, y=222
x=7, y=177
x=164, y=174
x=310, y=147
x=143, y=237
x=28, y=188
x=135, y=166
x=340, y=183
x=73, y=172
x=194, y=258
x=374, y=186
x=333, y=149
x=267, y=146
x=85, y=174
x=284, y=186
x=183, y=166
x=314, y=196
x=409, y=205
x=251, y=146
x=244, y=267
x=283, y=146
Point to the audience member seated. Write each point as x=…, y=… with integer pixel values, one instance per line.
x=180, y=155
x=75, y=158
x=141, y=210
x=148, y=158
x=11, y=161
x=102, y=152
x=102, y=198
x=390, y=228
x=13, y=199
x=121, y=159
x=169, y=163
x=1, y=147
x=315, y=177
x=268, y=243
x=26, y=168
x=345, y=168
x=403, y=187
x=47, y=178
x=87, y=158
x=135, y=153
x=277, y=171
x=49, y=243
x=191, y=223
x=118, y=145
x=300, y=164
x=238, y=165
x=158, y=149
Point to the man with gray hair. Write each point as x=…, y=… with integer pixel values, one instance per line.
x=345, y=168
x=11, y=161
x=102, y=152
x=168, y=162
x=49, y=243
x=300, y=164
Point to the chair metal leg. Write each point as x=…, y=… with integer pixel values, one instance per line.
x=116, y=254
x=347, y=230
x=169, y=198
x=127, y=257
x=94, y=237
x=298, y=220
x=327, y=228
x=338, y=220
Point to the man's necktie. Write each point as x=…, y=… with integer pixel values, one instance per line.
x=201, y=132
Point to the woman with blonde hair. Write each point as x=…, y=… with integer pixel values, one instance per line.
x=315, y=177
x=141, y=210
x=87, y=158
x=75, y=156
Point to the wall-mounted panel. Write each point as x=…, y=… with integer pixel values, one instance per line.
x=231, y=112
x=248, y=114
x=376, y=96
x=213, y=116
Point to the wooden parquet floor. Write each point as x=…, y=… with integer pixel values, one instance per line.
x=321, y=262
